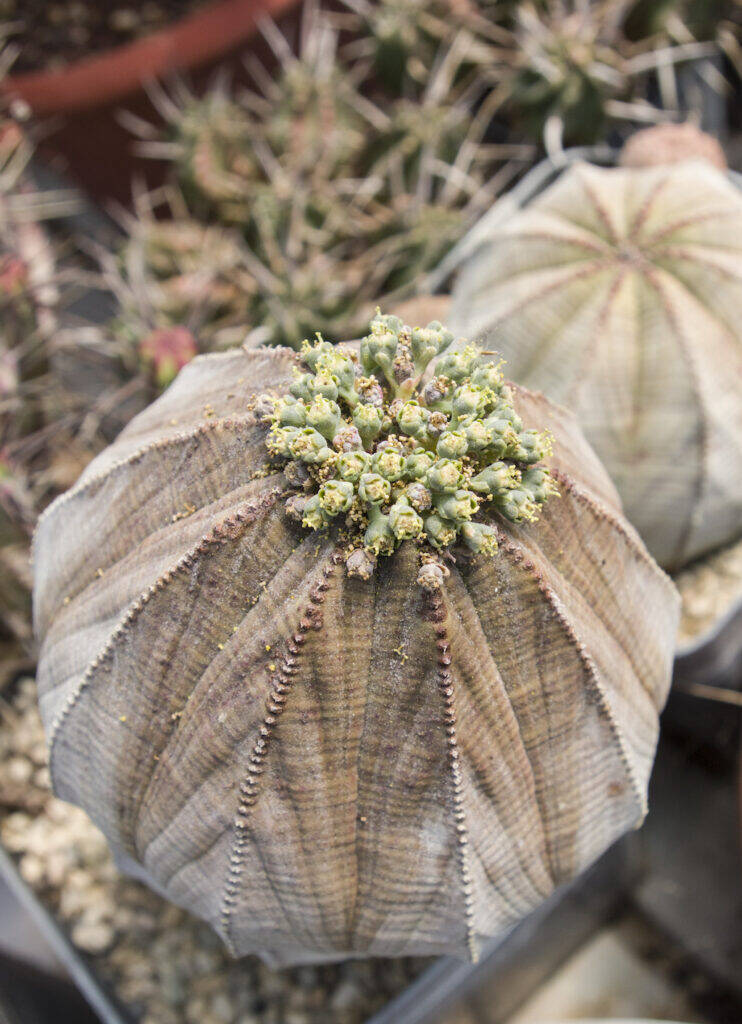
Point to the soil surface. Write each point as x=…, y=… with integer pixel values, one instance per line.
x=51, y=35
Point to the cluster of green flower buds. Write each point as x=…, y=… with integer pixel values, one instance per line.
x=372, y=449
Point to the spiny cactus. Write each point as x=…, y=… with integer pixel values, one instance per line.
x=340, y=200
x=179, y=273
x=616, y=291
x=319, y=760
x=403, y=39
x=30, y=403
x=388, y=459
x=211, y=144
x=569, y=64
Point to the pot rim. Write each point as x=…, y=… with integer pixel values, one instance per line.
x=106, y=77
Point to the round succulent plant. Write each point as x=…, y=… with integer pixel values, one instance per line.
x=321, y=757
x=616, y=291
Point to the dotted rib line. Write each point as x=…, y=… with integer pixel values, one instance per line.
x=228, y=528
x=166, y=442
x=250, y=787
x=517, y=556
x=437, y=614
x=602, y=513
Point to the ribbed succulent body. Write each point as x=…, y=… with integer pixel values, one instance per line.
x=617, y=291
x=323, y=762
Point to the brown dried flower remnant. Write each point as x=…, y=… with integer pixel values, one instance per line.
x=372, y=450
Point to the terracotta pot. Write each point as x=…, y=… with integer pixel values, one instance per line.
x=110, y=76
x=86, y=140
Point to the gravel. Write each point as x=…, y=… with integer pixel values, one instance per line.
x=709, y=588
x=164, y=965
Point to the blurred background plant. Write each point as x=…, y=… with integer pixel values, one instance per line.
x=364, y=154
x=29, y=298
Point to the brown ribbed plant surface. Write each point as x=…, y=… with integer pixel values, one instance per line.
x=618, y=292
x=322, y=766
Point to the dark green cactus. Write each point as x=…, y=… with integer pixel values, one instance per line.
x=381, y=457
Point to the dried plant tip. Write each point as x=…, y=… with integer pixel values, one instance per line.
x=264, y=408
x=360, y=564
x=431, y=576
x=296, y=506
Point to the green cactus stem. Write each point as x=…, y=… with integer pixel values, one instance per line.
x=373, y=452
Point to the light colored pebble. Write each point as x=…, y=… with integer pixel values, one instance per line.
x=709, y=588
x=162, y=963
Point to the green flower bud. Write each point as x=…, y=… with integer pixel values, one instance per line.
x=517, y=505
x=386, y=322
x=439, y=532
x=379, y=537
x=470, y=400
x=452, y=444
x=457, y=365
x=540, y=483
x=480, y=537
x=412, y=419
x=374, y=488
x=367, y=420
x=488, y=375
x=309, y=446
x=418, y=463
x=531, y=446
x=336, y=496
x=300, y=387
x=291, y=413
x=499, y=478
x=444, y=476
x=312, y=352
x=429, y=341
x=379, y=348
x=478, y=436
x=459, y=506
x=324, y=384
x=504, y=438
x=279, y=440
x=324, y=415
x=350, y=465
x=389, y=463
x=404, y=521
x=315, y=517
x=437, y=424
x=340, y=367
